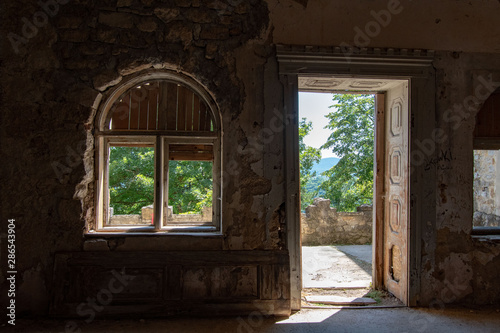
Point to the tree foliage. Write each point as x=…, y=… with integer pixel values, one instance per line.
x=131, y=182
x=350, y=182
x=131, y=179
x=308, y=157
x=190, y=186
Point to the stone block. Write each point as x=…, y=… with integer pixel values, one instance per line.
x=117, y=20
x=147, y=25
x=167, y=15
x=214, y=32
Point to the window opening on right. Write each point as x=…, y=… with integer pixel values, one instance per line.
x=486, y=188
x=486, y=173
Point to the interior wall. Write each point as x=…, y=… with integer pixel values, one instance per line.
x=468, y=26
x=54, y=81
x=53, y=72
x=457, y=266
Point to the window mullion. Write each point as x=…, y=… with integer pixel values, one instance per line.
x=166, y=173
x=158, y=211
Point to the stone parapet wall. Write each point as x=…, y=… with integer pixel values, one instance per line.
x=323, y=225
x=147, y=214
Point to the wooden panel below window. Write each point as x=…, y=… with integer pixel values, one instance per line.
x=158, y=284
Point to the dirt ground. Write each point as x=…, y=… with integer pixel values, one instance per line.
x=383, y=298
x=336, y=266
x=341, y=271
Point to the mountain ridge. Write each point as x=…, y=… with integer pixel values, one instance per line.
x=324, y=164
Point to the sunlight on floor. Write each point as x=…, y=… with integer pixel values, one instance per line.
x=305, y=316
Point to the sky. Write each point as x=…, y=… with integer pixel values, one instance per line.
x=314, y=107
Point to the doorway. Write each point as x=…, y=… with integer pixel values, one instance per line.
x=336, y=132
x=415, y=67
x=390, y=218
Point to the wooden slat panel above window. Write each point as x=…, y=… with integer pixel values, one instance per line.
x=161, y=105
x=195, y=152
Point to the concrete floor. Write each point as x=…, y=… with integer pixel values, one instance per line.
x=399, y=320
x=336, y=266
x=442, y=320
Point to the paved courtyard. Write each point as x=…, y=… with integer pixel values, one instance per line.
x=344, y=266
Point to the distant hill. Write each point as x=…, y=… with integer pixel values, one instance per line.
x=325, y=164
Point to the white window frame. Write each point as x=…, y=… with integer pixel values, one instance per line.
x=160, y=140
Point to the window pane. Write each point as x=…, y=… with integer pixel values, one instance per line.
x=131, y=185
x=190, y=193
x=486, y=193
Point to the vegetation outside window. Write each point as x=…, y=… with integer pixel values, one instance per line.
x=158, y=151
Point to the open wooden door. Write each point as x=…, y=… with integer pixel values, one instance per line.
x=396, y=192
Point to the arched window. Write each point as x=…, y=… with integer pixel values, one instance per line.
x=158, y=151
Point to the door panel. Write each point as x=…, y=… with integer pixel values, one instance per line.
x=396, y=192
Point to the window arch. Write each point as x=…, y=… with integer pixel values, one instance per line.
x=158, y=150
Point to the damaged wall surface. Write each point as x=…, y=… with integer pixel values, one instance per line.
x=58, y=66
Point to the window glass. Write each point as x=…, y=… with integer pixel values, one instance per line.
x=190, y=187
x=131, y=185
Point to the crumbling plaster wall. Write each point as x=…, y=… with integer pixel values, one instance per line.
x=466, y=26
x=50, y=86
x=458, y=267
x=54, y=83
x=455, y=267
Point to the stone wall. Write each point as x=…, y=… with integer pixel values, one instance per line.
x=486, y=194
x=323, y=225
x=146, y=217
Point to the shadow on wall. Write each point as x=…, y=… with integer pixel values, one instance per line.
x=323, y=225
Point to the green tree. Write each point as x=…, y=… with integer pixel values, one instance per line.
x=350, y=182
x=131, y=182
x=308, y=156
x=189, y=186
x=131, y=179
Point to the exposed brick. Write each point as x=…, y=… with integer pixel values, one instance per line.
x=183, y=3
x=226, y=19
x=211, y=50
x=106, y=79
x=124, y=3
x=242, y=8
x=217, y=4
x=167, y=15
x=73, y=35
x=180, y=33
x=107, y=36
x=68, y=22
x=235, y=31
x=118, y=20
x=214, y=32
x=147, y=25
x=93, y=49
x=200, y=16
